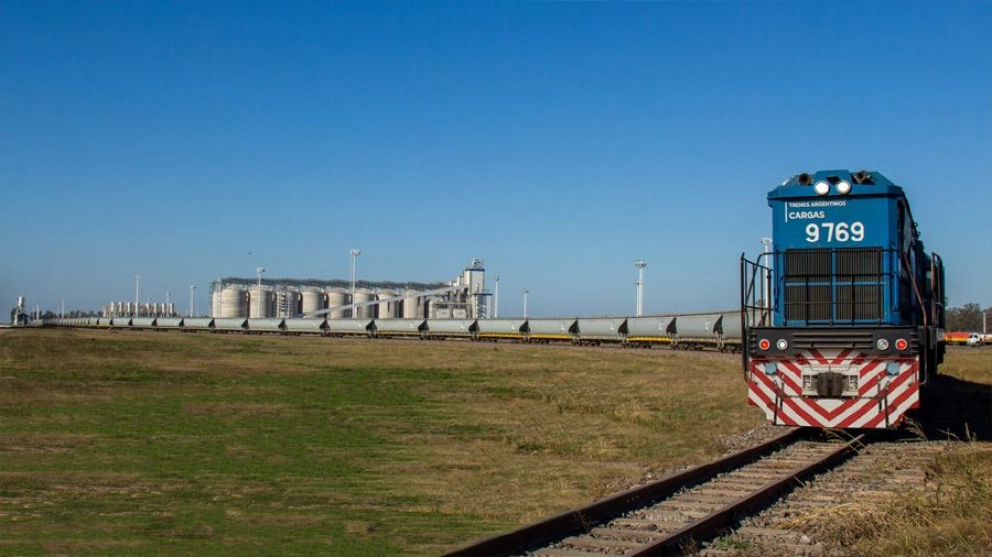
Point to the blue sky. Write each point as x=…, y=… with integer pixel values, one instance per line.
x=556, y=141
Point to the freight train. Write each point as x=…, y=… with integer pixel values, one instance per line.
x=719, y=331
x=843, y=318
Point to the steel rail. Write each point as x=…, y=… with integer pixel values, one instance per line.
x=582, y=518
x=718, y=520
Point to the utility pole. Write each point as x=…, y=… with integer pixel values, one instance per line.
x=640, y=264
x=496, y=299
x=354, y=269
x=258, y=305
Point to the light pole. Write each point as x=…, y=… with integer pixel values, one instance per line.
x=354, y=268
x=496, y=299
x=192, y=287
x=526, y=292
x=640, y=264
x=767, y=242
x=258, y=305
x=137, y=286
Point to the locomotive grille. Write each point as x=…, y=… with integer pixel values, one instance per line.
x=834, y=286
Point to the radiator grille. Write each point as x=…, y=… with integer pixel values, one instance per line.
x=834, y=286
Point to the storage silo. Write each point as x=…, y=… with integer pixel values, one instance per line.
x=361, y=296
x=411, y=305
x=313, y=301
x=388, y=310
x=337, y=298
x=260, y=303
x=232, y=302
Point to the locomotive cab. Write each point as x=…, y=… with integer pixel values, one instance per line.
x=843, y=318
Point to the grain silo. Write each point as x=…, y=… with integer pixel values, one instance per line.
x=411, y=305
x=260, y=303
x=388, y=309
x=313, y=301
x=362, y=296
x=231, y=301
x=337, y=298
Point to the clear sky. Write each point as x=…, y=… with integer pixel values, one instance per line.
x=556, y=141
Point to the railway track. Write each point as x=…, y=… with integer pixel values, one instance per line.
x=667, y=515
x=791, y=526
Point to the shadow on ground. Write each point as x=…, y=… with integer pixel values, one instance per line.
x=952, y=408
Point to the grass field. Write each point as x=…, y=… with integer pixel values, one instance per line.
x=164, y=443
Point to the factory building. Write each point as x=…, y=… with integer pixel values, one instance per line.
x=151, y=309
x=464, y=297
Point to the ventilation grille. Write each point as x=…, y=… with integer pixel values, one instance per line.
x=834, y=286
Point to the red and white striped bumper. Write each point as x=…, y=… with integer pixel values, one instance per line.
x=878, y=390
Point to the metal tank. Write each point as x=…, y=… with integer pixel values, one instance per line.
x=313, y=301
x=260, y=303
x=447, y=328
x=412, y=308
x=361, y=296
x=544, y=330
x=338, y=298
x=400, y=328
x=275, y=325
x=596, y=330
x=496, y=329
x=388, y=310
x=231, y=301
x=300, y=326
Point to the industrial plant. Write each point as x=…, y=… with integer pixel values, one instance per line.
x=464, y=297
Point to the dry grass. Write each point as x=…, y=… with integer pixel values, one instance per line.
x=954, y=515
x=952, y=519
x=162, y=443
x=173, y=443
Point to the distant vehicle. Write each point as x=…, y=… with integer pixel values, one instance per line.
x=959, y=338
x=975, y=340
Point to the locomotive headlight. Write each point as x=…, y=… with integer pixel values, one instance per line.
x=901, y=344
x=781, y=344
x=843, y=187
x=764, y=344
x=822, y=187
x=882, y=344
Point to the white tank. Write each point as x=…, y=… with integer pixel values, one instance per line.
x=361, y=296
x=388, y=310
x=313, y=300
x=337, y=297
x=411, y=305
x=232, y=301
x=260, y=304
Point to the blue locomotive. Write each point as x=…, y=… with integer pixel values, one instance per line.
x=843, y=319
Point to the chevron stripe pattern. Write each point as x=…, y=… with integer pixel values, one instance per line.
x=878, y=390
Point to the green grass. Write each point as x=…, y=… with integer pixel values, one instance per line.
x=124, y=443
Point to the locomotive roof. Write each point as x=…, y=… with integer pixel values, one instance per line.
x=864, y=182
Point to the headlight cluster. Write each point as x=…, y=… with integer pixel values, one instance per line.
x=843, y=187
